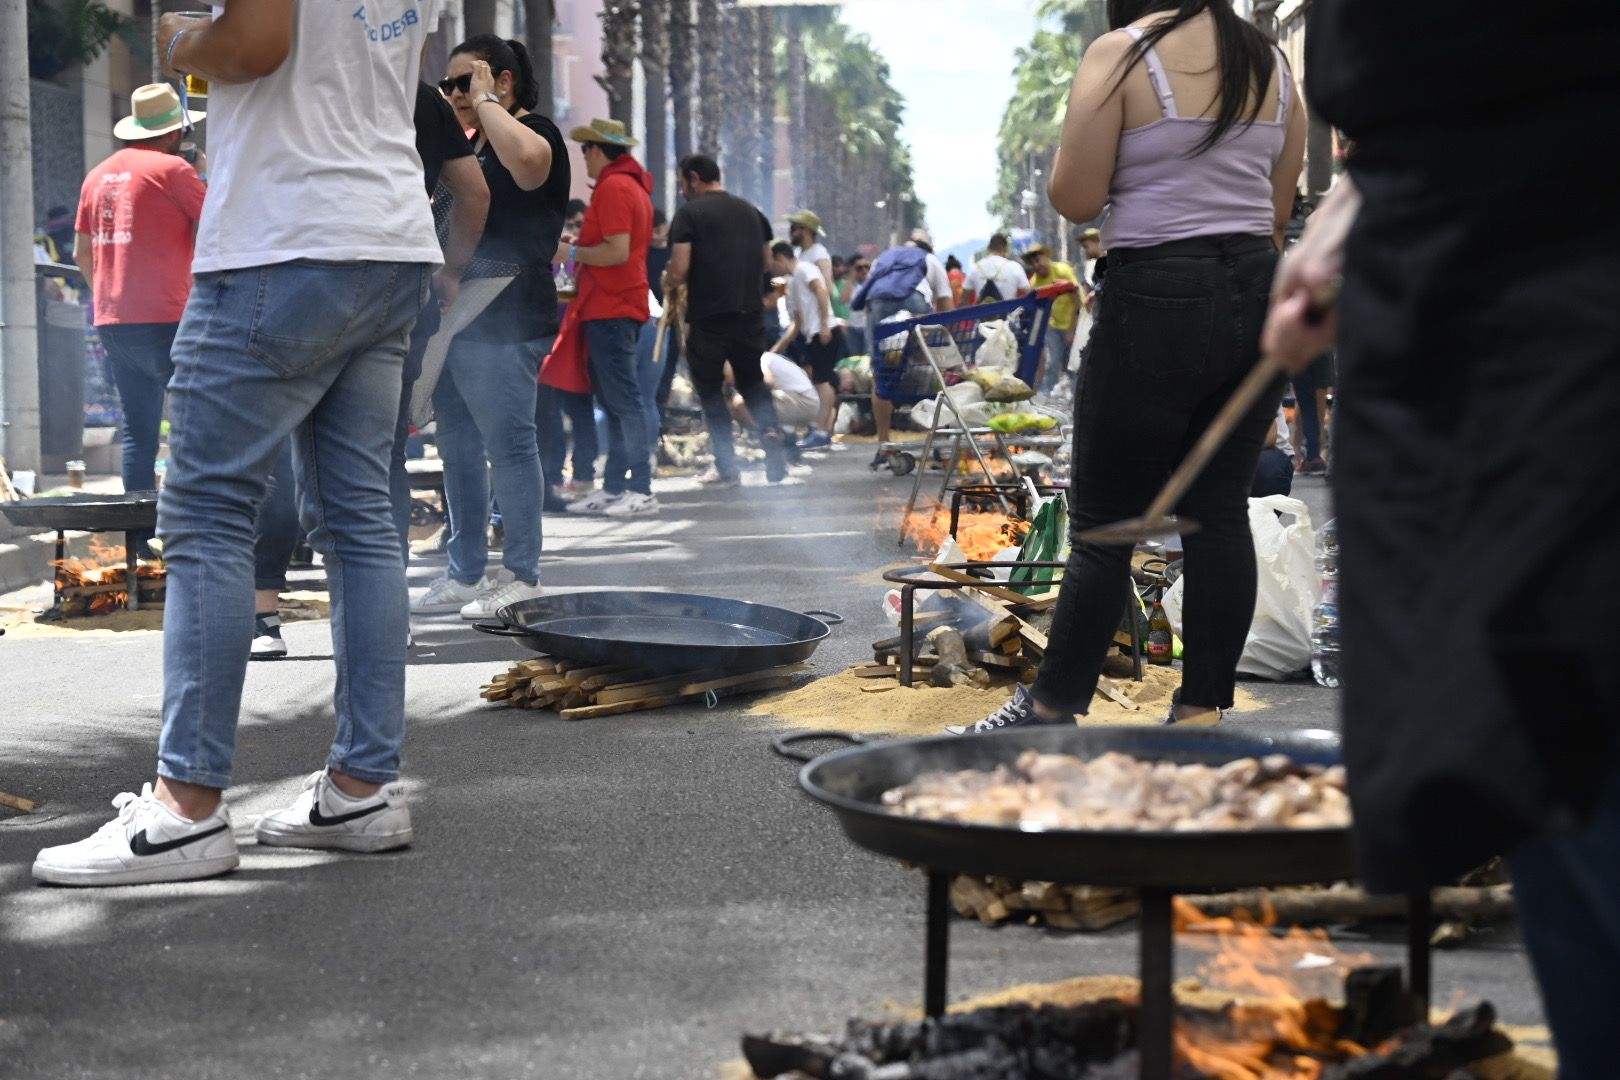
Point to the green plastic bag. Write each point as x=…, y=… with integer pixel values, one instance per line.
x=1046, y=541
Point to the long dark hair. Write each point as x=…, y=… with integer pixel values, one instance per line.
x=1244, y=54
x=505, y=55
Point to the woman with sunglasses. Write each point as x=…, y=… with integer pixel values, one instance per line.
x=485, y=398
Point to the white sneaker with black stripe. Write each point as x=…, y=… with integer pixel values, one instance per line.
x=267, y=641
x=324, y=817
x=147, y=842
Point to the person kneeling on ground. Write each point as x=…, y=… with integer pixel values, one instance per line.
x=791, y=391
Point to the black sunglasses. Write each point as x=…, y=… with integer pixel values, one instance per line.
x=449, y=86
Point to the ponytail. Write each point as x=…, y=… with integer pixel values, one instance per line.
x=506, y=55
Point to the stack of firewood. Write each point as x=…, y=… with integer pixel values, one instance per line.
x=1062, y=907
x=577, y=691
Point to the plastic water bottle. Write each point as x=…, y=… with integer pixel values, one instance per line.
x=1325, y=623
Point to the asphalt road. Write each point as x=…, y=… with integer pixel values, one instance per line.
x=609, y=899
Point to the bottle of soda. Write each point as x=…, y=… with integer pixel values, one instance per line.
x=1161, y=639
x=1325, y=624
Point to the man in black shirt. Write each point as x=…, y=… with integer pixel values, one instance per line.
x=718, y=249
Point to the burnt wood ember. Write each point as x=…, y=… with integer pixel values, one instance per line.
x=1116, y=792
x=1012, y=1042
x=1431, y=1053
x=1376, y=1005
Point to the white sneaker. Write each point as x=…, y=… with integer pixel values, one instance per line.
x=444, y=596
x=323, y=817
x=146, y=842
x=632, y=504
x=497, y=592
x=267, y=642
x=597, y=502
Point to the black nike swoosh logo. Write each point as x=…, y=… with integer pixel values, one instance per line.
x=318, y=818
x=140, y=845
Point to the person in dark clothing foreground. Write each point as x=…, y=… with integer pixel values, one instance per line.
x=1457, y=514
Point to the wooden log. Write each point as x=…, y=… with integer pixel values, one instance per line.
x=590, y=712
x=16, y=802
x=1473, y=903
x=743, y=679
x=954, y=668
x=576, y=676
x=983, y=585
x=541, y=665
x=872, y=671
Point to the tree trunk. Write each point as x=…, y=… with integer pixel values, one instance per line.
x=680, y=74
x=538, y=18
x=765, y=108
x=479, y=16
x=654, y=60
x=619, y=59
x=736, y=56
x=797, y=77
x=19, y=343
x=710, y=93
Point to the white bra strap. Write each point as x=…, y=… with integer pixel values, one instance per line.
x=1156, y=74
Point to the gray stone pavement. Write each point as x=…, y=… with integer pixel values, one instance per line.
x=609, y=899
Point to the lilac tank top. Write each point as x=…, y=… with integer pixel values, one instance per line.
x=1161, y=192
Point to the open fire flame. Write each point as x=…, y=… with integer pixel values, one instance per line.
x=1278, y=1029
x=104, y=571
x=980, y=534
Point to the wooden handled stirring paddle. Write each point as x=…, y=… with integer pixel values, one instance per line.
x=1158, y=521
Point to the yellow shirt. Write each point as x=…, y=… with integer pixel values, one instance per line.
x=1063, y=308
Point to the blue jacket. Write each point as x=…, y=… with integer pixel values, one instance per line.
x=895, y=275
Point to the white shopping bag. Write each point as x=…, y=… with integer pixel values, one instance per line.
x=1279, y=642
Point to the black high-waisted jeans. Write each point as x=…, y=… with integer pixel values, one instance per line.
x=1178, y=327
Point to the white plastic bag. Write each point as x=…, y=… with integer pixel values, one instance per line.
x=1000, y=348
x=1279, y=642
x=969, y=401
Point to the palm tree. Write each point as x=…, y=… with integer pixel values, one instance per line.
x=619, y=58
x=654, y=57
x=763, y=112
x=709, y=78
x=680, y=73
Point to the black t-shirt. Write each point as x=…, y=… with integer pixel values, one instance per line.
x=439, y=137
x=522, y=231
x=728, y=237
x=657, y=261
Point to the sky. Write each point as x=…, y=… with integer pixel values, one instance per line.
x=952, y=60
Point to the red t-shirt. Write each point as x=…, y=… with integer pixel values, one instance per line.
x=140, y=209
x=620, y=204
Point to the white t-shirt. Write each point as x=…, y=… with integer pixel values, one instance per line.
x=802, y=299
x=788, y=376
x=318, y=159
x=936, y=282
x=1008, y=275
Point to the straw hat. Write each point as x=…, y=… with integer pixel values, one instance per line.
x=154, y=110
x=607, y=132
x=1090, y=234
x=808, y=219
x=1037, y=249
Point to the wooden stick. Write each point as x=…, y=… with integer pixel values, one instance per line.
x=16, y=802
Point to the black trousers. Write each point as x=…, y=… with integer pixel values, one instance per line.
x=1178, y=327
x=710, y=343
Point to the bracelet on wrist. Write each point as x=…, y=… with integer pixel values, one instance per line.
x=168, y=57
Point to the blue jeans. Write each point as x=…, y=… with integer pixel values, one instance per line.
x=550, y=406
x=277, y=530
x=612, y=347
x=399, y=484
x=138, y=355
x=1566, y=882
x=650, y=375
x=308, y=349
x=485, y=406
x=1057, y=360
